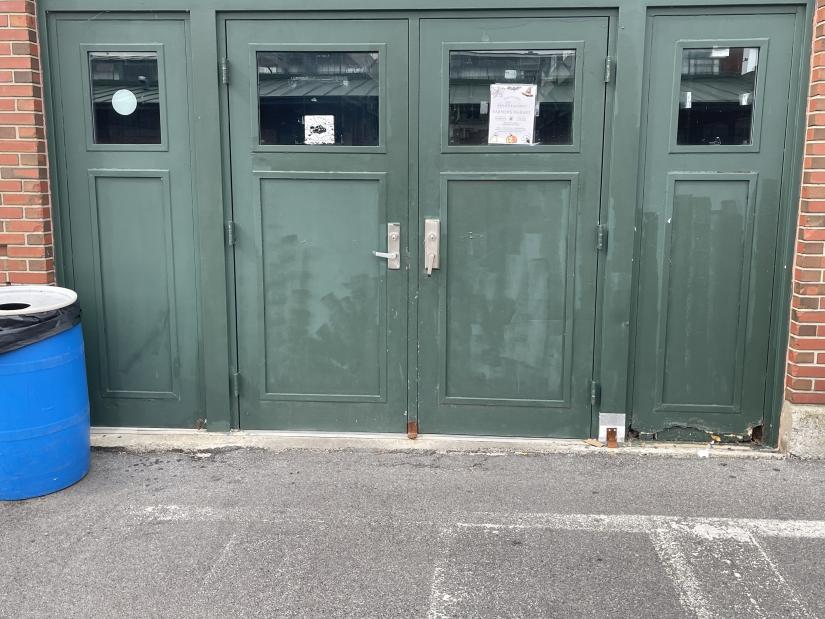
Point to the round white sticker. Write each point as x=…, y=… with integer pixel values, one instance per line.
x=124, y=102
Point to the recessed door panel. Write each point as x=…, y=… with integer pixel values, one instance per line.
x=130, y=211
x=324, y=298
x=508, y=283
x=704, y=303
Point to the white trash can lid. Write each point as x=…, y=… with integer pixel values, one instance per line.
x=20, y=300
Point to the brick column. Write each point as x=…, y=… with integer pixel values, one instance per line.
x=26, y=248
x=805, y=380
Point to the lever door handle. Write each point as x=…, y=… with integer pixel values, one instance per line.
x=430, y=264
x=393, y=253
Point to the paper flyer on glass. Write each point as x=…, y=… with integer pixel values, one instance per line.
x=512, y=113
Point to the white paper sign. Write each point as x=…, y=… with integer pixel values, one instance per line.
x=319, y=129
x=512, y=113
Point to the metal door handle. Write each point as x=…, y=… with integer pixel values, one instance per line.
x=430, y=264
x=393, y=253
x=432, y=245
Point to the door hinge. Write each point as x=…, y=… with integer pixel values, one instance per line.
x=235, y=384
x=230, y=232
x=608, y=69
x=224, y=71
x=601, y=237
x=595, y=393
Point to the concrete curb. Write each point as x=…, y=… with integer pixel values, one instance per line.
x=802, y=430
x=139, y=440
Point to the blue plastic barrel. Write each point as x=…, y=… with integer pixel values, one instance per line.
x=44, y=416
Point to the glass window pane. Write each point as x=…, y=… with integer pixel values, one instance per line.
x=716, y=95
x=318, y=98
x=125, y=97
x=511, y=97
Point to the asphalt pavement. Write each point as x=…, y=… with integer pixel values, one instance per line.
x=368, y=533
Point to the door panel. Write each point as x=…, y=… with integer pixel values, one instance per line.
x=318, y=288
x=717, y=114
x=507, y=303
x=710, y=216
x=124, y=152
x=506, y=321
x=120, y=231
x=321, y=320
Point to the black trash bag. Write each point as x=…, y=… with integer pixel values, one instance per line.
x=25, y=329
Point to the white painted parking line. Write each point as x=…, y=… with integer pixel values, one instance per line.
x=710, y=528
x=717, y=565
x=440, y=600
x=725, y=575
x=677, y=565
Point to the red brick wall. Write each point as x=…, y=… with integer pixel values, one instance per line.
x=805, y=381
x=25, y=217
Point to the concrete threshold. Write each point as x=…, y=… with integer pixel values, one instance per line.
x=143, y=440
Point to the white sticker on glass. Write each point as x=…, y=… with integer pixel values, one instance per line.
x=124, y=102
x=319, y=129
x=750, y=58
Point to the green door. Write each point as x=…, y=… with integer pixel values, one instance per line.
x=511, y=140
x=717, y=113
x=124, y=172
x=318, y=117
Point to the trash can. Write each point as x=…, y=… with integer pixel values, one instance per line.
x=44, y=402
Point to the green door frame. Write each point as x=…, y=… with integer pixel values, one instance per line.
x=615, y=299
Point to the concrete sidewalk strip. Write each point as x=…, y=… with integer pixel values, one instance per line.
x=139, y=440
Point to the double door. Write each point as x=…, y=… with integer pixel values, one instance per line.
x=419, y=251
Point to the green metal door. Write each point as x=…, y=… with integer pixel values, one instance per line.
x=511, y=141
x=124, y=172
x=318, y=124
x=717, y=112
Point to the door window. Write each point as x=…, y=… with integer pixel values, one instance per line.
x=511, y=97
x=313, y=98
x=125, y=97
x=716, y=95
